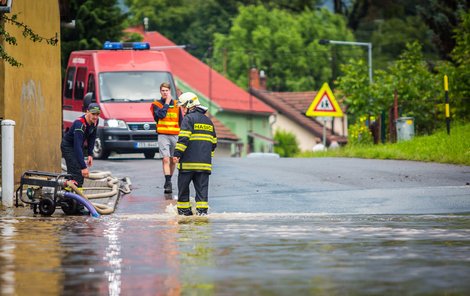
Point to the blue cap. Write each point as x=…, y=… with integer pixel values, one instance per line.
x=94, y=108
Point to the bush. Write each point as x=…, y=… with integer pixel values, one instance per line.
x=286, y=144
x=359, y=134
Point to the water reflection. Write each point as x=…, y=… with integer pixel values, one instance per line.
x=113, y=256
x=7, y=247
x=235, y=253
x=83, y=244
x=30, y=257
x=196, y=257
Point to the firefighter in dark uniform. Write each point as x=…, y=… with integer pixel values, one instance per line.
x=82, y=129
x=197, y=141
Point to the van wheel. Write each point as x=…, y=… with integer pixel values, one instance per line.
x=98, y=151
x=149, y=154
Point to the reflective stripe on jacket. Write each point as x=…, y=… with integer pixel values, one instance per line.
x=169, y=125
x=196, y=142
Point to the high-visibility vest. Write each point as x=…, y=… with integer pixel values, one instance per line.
x=169, y=125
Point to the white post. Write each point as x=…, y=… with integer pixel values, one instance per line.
x=8, y=157
x=369, y=47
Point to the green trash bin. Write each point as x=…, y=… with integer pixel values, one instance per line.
x=405, y=128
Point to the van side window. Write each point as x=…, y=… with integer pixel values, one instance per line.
x=91, y=83
x=69, y=83
x=80, y=84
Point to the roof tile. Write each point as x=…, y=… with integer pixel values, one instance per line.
x=226, y=94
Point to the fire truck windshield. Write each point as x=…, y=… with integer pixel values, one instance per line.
x=133, y=86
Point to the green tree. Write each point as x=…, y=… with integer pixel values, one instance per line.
x=286, y=144
x=355, y=87
x=185, y=21
x=417, y=87
x=196, y=21
x=458, y=71
x=388, y=25
x=96, y=21
x=390, y=37
x=442, y=17
x=283, y=44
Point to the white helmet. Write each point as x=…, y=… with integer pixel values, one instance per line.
x=188, y=100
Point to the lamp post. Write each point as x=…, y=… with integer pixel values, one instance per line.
x=208, y=54
x=369, y=48
x=368, y=44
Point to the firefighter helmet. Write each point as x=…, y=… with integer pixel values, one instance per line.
x=188, y=100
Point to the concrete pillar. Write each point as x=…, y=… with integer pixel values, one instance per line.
x=8, y=158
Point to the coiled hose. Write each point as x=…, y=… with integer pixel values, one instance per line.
x=100, y=208
x=111, y=182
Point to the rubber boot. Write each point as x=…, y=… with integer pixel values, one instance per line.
x=201, y=212
x=185, y=212
x=201, y=208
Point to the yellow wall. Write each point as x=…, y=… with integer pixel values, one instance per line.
x=30, y=94
x=304, y=137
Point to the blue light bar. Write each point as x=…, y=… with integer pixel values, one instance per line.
x=140, y=45
x=112, y=45
x=126, y=45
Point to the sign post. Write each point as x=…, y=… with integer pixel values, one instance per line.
x=324, y=119
x=325, y=106
x=446, y=89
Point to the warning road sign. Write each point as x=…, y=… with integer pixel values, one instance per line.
x=324, y=104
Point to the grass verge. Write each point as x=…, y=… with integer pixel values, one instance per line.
x=439, y=147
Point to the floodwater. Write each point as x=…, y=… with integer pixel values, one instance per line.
x=284, y=227
x=154, y=253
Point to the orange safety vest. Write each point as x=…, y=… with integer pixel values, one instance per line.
x=169, y=125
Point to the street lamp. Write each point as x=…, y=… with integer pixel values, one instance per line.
x=368, y=44
x=369, y=47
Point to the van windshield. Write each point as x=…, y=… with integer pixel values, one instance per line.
x=133, y=86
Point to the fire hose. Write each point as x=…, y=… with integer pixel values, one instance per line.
x=45, y=191
x=111, y=182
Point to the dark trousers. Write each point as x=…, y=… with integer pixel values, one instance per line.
x=201, y=184
x=73, y=166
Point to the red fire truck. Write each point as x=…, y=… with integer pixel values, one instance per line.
x=124, y=79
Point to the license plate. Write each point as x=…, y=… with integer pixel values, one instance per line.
x=146, y=144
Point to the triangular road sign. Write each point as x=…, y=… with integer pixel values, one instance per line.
x=324, y=104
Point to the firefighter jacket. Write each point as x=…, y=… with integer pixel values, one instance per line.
x=75, y=138
x=167, y=117
x=197, y=141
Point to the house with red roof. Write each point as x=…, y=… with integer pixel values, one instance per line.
x=290, y=115
x=236, y=109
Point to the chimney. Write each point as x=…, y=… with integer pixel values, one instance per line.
x=262, y=80
x=254, y=79
x=146, y=24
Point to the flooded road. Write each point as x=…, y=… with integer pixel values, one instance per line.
x=296, y=230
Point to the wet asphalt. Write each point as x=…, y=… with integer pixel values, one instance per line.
x=314, y=185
